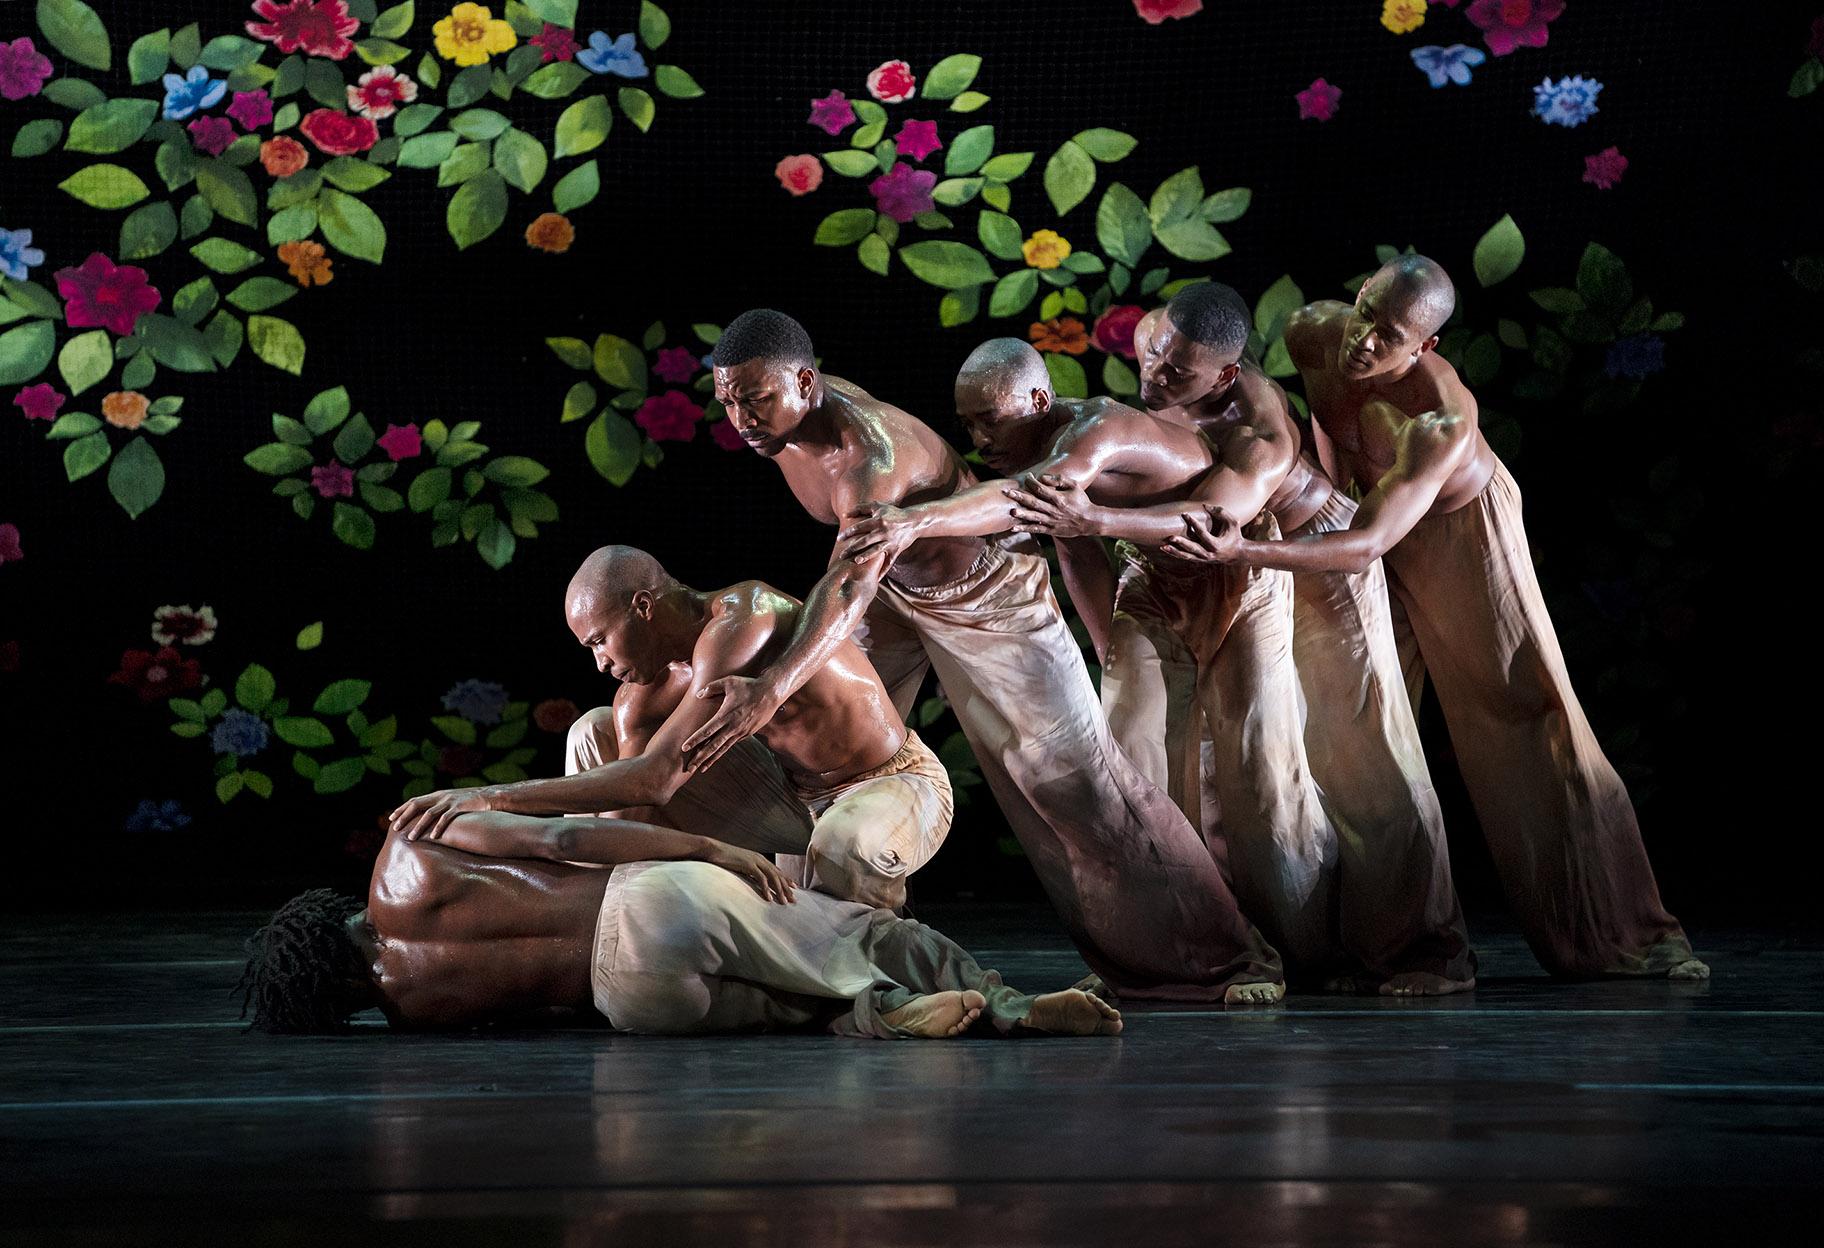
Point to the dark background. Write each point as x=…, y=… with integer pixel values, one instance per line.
x=1666, y=533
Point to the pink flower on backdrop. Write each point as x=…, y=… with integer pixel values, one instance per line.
x=556, y=43
x=401, y=442
x=252, y=109
x=319, y=27
x=669, y=417
x=185, y=625
x=1510, y=24
x=800, y=174
x=1605, y=168
x=211, y=134
x=833, y=113
x=9, y=544
x=23, y=69
x=892, y=82
x=379, y=92
x=1156, y=11
x=724, y=434
x=917, y=139
x=1317, y=102
x=676, y=365
x=99, y=292
x=40, y=402
x=903, y=192
x=1114, y=329
x=333, y=480
x=338, y=134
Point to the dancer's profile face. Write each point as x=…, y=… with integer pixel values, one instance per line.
x=1006, y=423
x=766, y=401
x=621, y=638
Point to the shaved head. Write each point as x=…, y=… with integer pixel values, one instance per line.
x=1005, y=364
x=1003, y=395
x=612, y=575
x=1421, y=289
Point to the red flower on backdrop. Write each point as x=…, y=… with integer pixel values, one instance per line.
x=99, y=292
x=1317, y=102
x=1605, y=168
x=333, y=480
x=319, y=27
x=40, y=402
x=557, y=43
x=10, y=551
x=155, y=676
x=669, y=417
x=380, y=91
x=677, y=365
x=460, y=760
x=724, y=434
x=1156, y=11
x=800, y=174
x=212, y=135
x=338, y=134
x=1114, y=329
x=892, y=81
x=1510, y=24
x=555, y=714
x=401, y=442
x=917, y=139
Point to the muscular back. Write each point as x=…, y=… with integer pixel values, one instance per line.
x=1139, y=459
x=460, y=939
x=1252, y=427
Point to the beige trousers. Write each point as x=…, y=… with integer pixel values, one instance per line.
x=1131, y=880
x=1558, y=819
x=685, y=947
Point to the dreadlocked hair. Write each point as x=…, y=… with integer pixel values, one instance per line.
x=304, y=975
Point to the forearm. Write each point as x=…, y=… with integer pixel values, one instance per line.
x=1090, y=581
x=1144, y=526
x=979, y=511
x=615, y=785
x=831, y=612
x=1351, y=550
x=608, y=842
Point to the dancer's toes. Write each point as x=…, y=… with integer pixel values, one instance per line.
x=1257, y=993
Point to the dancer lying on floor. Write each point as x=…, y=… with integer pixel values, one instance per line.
x=493, y=923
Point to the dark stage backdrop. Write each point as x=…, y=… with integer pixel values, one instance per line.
x=468, y=392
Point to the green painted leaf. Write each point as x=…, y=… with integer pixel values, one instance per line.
x=35, y=138
x=323, y=83
x=340, y=776
x=638, y=106
x=342, y=696
x=74, y=30
x=1068, y=380
x=1007, y=166
x=1602, y=279
x=613, y=446
x=676, y=83
x=228, y=191
x=849, y=225
x=294, y=223
x=958, y=307
x=477, y=208
x=147, y=58
x=1104, y=144
x=254, y=688
x=655, y=26
x=105, y=186
x=874, y=254
x=572, y=351
x=495, y=544
x=193, y=301
x=947, y=264
x=1122, y=226
x=277, y=342
x=277, y=459
x=851, y=163
x=353, y=174
x=72, y=425
x=1226, y=205
x=111, y=126
x=74, y=94
x=1013, y=292
x=427, y=151
x=969, y=150
x=393, y=22
x=583, y=126
x=1499, y=251
x=471, y=84
x=1192, y=238
x=619, y=363
x=256, y=294
x=86, y=359
x=478, y=123
x=1118, y=378
x=1070, y=175
x=85, y=455
x=951, y=76
x=353, y=525
x=230, y=52
x=516, y=470
x=576, y=188
x=521, y=159
x=1280, y=300
x=1177, y=198
x=302, y=731
x=1000, y=234
x=147, y=231
x=223, y=336
x=968, y=102
x=355, y=439
x=25, y=350
x=555, y=81
x=350, y=226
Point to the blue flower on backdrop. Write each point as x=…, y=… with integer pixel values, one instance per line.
x=613, y=56
x=241, y=733
x=1567, y=102
x=1451, y=64
x=151, y=816
x=1636, y=357
x=17, y=254
x=478, y=701
x=192, y=93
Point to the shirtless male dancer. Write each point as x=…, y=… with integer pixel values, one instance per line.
x=1397, y=422
x=1398, y=909
x=493, y=923
x=875, y=801
x=1131, y=880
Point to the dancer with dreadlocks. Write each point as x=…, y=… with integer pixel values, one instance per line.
x=494, y=923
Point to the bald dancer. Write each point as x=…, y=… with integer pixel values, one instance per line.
x=1397, y=423
x=1398, y=909
x=491, y=920
x=874, y=800
x=1129, y=877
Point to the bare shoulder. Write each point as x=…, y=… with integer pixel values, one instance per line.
x=412, y=879
x=1313, y=330
x=746, y=619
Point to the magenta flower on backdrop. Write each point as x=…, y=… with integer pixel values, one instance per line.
x=39, y=402
x=23, y=69
x=1510, y=24
x=1155, y=11
x=724, y=434
x=252, y=109
x=1605, y=168
x=401, y=442
x=9, y=544
x=1317, y=102
x=212, y=135
x=555, y=43
x=676, y=365
x=99, y=292
x=333, y=480
x=668, y=417
x=903, y=192
x=833, y=113
x=319, y=27
x=917, y=139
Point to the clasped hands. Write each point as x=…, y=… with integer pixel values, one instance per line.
x=1057, y=507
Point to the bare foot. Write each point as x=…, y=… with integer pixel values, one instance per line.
x=1350, y=985
x=1254, y=994
x=938, y=1015
x=1424, y=984
x=1073, y=1012
x=1094, y=985
x=1690, y=968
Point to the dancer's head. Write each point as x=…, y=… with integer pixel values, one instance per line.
x=625, y=608
x=305, y=974
x=1193, y=347
x=1396, y=318
x=1003, y=393
x=766, y=376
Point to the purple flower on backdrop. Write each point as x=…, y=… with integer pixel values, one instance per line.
x=241, y=733
x=1636, y=357
x=23, y=69
x=833, y=113
x=1568, y=102
x=1510, y=24
x=1451, y=64
x=676, y=365
x=1318, y=101
x=917, y=139
x=151, y=816
x=333, y=480
x=904, y=192
x=212, y=135
x=478, y=701
x=252, y=109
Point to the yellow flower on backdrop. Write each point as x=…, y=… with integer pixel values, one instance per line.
x=1401, y=16
x=471, y=34
x=1046, y=249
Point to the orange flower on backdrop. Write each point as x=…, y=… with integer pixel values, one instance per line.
x=307, y=262
x=125, y=409
x=1060, y=333
x=551, y=232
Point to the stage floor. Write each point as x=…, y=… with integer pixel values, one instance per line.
x=133, y=1110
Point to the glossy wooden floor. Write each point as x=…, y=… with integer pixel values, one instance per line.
x=133, y=1110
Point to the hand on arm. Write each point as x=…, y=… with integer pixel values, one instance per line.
x=876, y=529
